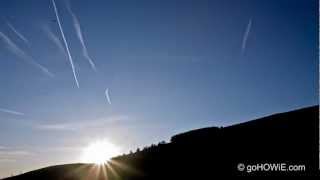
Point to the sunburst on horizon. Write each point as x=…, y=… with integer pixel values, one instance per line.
x=99, y=152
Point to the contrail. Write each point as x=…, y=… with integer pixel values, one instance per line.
x=20, y=53
x=77, y=27
x=54, y=39
x=107, y=96
x=245, y=36
x=9, y=111
x=24, y=39
x=65, y=43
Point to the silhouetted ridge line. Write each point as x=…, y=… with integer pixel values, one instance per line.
x=306, y=110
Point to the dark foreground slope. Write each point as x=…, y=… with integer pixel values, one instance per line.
x=290, y=138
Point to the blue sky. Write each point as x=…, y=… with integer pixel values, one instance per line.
x=170, y=66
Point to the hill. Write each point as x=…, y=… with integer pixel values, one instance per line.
x=284, y=139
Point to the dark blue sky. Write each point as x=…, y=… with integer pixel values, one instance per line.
x=169, y=65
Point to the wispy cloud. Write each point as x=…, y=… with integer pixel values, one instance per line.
x=9, y=111
x=246, y=36
x=77, y=27
x=7, y=160
x=56, y=149
x=108, y=96
x=24, y=56
x=22, y=37
x=80, y=125
x=65, y=43
x=55, y=40
x=8, y=155
x=3, y=147
x=9, y=152
x=59, y=126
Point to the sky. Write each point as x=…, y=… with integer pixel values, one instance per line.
x=138, y=72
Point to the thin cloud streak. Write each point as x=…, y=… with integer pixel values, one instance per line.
x=9, y=155
x=77, y=27
x=246, y=36
x=108, y=96
x=65, y=43
x=54, y=39
x=14, y=153
x=22, y=37
x=9, y=111
x=24, y=56
x=7, y=160
x=81, y=125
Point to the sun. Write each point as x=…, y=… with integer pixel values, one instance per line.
x=100, y=152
